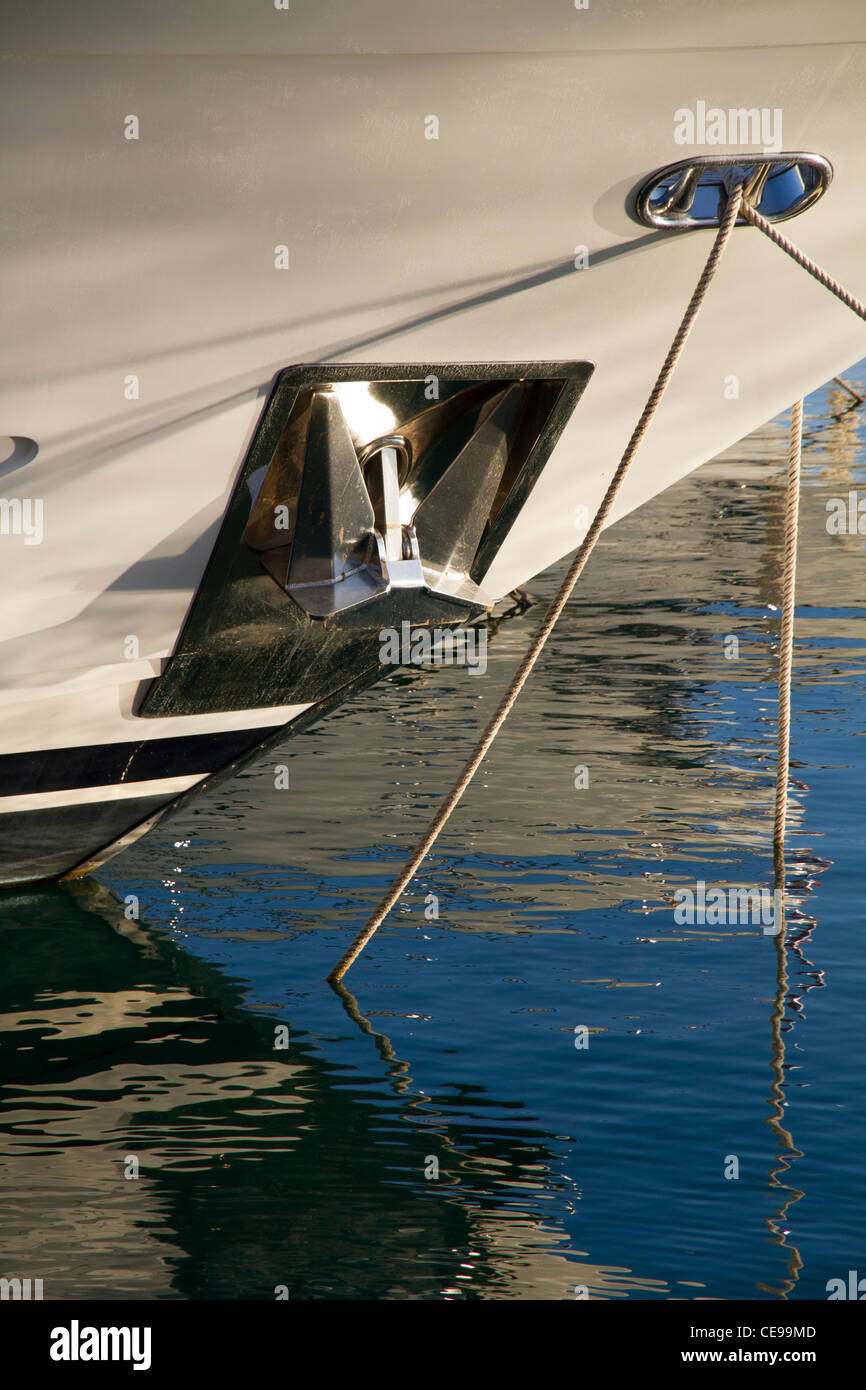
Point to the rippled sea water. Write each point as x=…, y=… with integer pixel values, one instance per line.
x=152, y=1043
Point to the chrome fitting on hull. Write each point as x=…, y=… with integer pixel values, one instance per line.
x=693, y=192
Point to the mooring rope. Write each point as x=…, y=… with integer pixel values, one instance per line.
x=786, y=639
x=735, y=207
x=550, y=618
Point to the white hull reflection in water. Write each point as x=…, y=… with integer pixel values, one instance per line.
x=543, y=1085
x=102, y=1156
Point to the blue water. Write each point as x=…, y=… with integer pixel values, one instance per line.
x=561, y=1168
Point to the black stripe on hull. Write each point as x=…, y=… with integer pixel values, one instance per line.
x=108, y=764
x=51, y=842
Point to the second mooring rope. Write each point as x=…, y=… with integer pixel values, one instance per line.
x=735, y=206
x=855, y=305
x=786, y=639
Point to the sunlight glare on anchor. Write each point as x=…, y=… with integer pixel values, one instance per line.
x=367, y=418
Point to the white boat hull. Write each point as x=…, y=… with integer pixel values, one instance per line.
x=146, y=318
